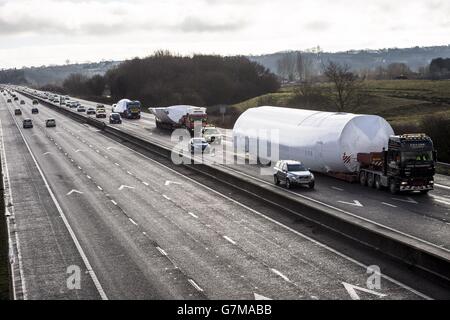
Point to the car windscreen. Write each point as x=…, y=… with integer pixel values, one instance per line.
x=296, y=167
x=115, y=116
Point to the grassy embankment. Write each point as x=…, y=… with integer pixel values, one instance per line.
x=401, y=102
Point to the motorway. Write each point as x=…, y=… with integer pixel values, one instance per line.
x=423, y=217
x=140, y=230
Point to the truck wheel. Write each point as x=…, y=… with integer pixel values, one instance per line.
x=288, y=184
x=362, y=178
x=276, y=180
x=378, y=185
x=393, y=187
x=370, y=180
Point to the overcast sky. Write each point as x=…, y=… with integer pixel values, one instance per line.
x=37, y=32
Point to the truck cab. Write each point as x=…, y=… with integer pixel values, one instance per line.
x=407, y=165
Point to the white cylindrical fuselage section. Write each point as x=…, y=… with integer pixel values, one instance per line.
x=323, y=141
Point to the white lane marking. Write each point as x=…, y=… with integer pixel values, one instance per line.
x=168, y=182
x=66, y=223
x=78, y=150
x=161, y=251
x=47, y=153
x=80, y=168
x=260, y=297
x=124, y=186
x=90, y=146
x=166, y=197
x=389, y=205
x=336, y=188
x=89, y=177
x=132, y=221
x=145, y=183
x=129, y=173
x=193, y=215
x=441, y=186
x=73, y=191
x=351, y=289
x=100, y=188
x=229, y=240
x=407, y=200
x=322, y=245
x=114, y=203
x=278, y=273
x=117, y=164
x=440, y=199
x=196, y=286
x=355, y=203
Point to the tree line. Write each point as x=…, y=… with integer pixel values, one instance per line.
x=164, y=79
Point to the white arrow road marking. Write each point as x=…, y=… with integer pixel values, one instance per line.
x=408, y=200
x=109, y=148
x=351, y=289
x=355, y=203
x=47, y=153
x=124, y=186
x=78, y=150
x=168, y=182
x=336, y=188
x=260, y=297
x=74, y=191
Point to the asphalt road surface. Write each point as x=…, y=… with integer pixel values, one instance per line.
x=139, y=230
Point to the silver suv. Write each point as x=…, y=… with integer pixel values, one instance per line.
x=292, y=173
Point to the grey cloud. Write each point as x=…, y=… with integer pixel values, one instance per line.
x=194, y=24
x=318, y=25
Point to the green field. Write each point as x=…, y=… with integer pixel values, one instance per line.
x=400, y=102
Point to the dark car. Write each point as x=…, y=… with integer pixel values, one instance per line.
x=114, y=118
x=199, y=145
x=292, y=173
x=34, y=110
x=27, y=123
x=9, y=101
x=16, y=99
x=50, y=123
x=22, y=101
x=18, y=112
x=35, y=102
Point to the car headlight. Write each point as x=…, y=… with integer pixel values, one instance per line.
x=312, y=177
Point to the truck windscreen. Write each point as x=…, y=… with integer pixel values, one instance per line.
x=417, y=156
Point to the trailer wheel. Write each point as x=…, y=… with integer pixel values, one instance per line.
x=370, y=180
x=378, y=185
x=393, y=187
x=362, y=178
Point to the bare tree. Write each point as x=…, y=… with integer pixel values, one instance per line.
x=346, y=84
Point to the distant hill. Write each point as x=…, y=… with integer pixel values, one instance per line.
x=39, y=76
x=415, y=58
